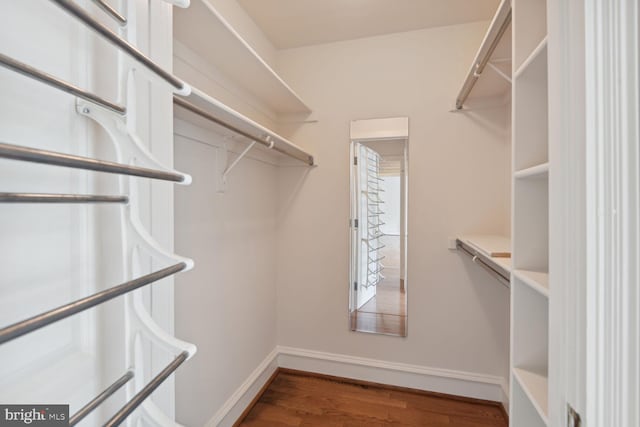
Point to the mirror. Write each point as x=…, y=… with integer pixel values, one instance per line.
x=378, y=226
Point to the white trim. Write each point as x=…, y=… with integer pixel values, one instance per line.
x=504, y=399
x=613, y=208
x=458, y=383
x=229, y=413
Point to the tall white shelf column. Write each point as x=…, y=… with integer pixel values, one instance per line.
x=530, y=217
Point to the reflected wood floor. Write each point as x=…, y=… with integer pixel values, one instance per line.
x=386, y=312
x=297, y=398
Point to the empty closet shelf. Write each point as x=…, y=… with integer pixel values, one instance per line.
x=206, y=32
x=497, y=266
x=205, y=107
x=536, y=387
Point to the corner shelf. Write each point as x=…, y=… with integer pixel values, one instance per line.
x=535, y=386
x=204, y=30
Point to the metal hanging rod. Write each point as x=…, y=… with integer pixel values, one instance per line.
x=482, y=262
x=266, y=141
x=60, y=198
x=27, y=154
x=41, y=320
x=498, y=27
x=112, y=12
x=62, y=85
x=108, y=392
x=76, y=11
x=137, y=400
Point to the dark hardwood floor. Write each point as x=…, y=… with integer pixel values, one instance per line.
x=300, y=399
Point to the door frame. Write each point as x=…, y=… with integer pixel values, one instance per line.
x=594, y=212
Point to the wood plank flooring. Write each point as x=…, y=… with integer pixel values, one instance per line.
x=302, y=399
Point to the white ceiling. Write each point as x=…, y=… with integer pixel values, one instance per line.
x=295, y=23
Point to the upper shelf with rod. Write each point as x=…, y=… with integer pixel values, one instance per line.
x=490, y=72
x=202, y=29
x=206, y=107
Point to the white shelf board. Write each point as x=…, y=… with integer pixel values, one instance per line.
x=538, y=171
x=491, y=246
x=538, y=280
x=230, y=116
x=487, y=245
x=536, y=387
x=204, y=30
x=505, y=263
x=538, y=54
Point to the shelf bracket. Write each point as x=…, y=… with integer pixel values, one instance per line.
x=236, y=161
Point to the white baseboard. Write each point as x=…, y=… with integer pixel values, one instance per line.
x=437, y=380
x=505, y=395
x=240, y=400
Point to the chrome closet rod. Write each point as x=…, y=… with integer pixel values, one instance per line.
x=502, y=19
x=108, y=392
x=62, y=85
x=60, y=198
x=112, y=12
x=294, y=152
x=28, y=154
x=75, y=10
x=477, y=258
x=48, y=317
x=131, y=406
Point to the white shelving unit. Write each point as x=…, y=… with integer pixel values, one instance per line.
x=202, y=29
x=530, y=217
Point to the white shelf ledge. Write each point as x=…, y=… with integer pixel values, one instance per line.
x=493, y=252
x=219, y=112
x=538, y=171
x=490, y=245
x=538, y=54
x=537, y=280
x=204, y=30
x=536, y=387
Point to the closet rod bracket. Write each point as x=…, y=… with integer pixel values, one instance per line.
x=223, y=179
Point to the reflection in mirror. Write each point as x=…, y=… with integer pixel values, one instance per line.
x=378, y=283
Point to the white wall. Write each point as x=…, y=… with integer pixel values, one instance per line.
x=227, y=303
x=459, y=167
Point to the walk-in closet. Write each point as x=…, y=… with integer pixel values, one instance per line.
x=320, y=213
